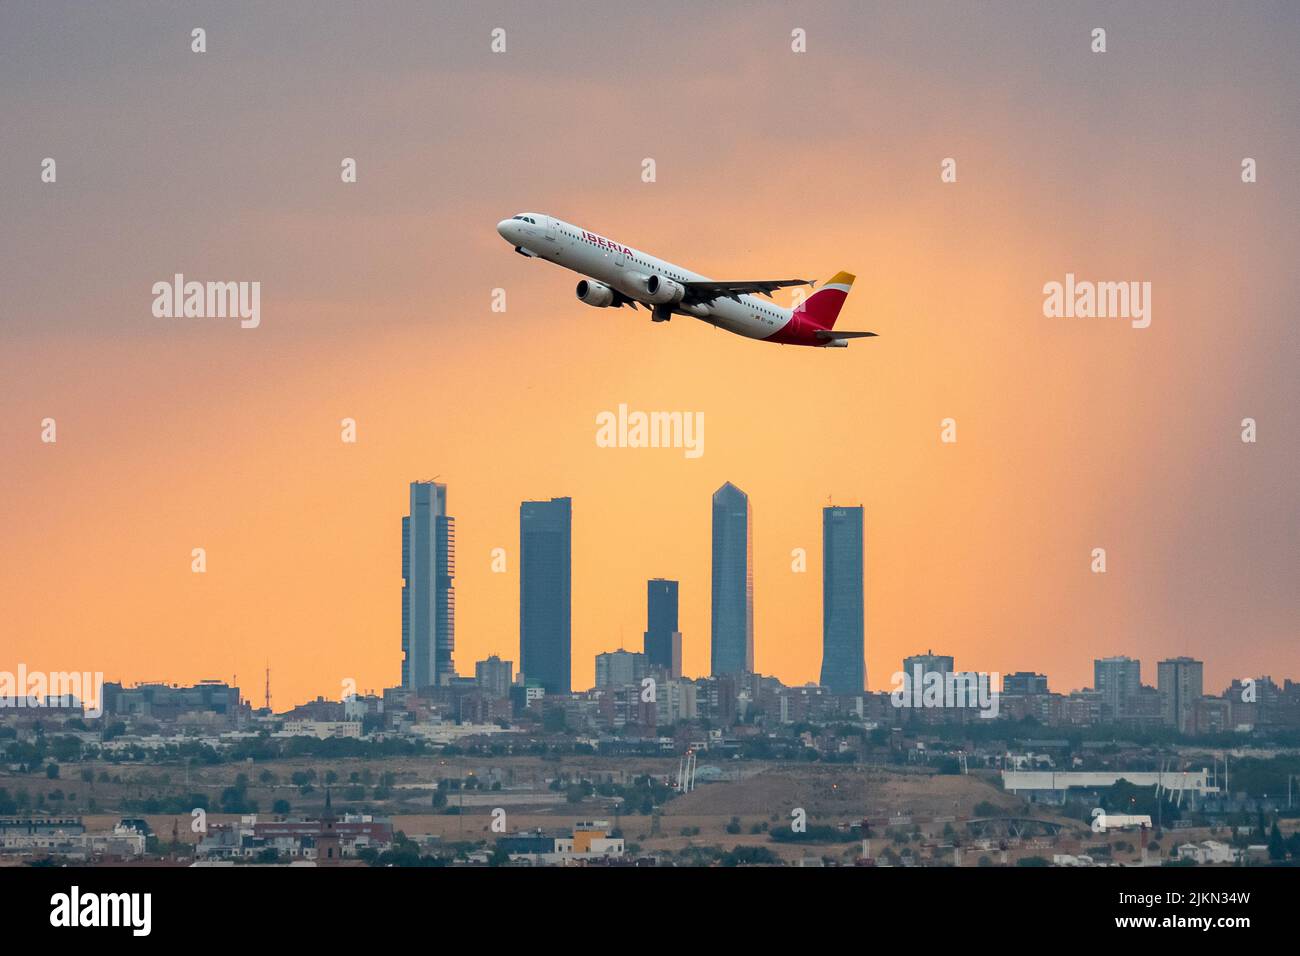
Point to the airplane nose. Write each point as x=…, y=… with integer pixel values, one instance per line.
x=504, y=227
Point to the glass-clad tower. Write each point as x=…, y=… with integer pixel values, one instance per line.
x=732, y=635
x=545, y=597
x=663, y=642
x=843, y=628
x=428, y=595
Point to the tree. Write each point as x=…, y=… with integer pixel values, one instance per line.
x=235, y=800
x=750, y=856
x=1276, y=845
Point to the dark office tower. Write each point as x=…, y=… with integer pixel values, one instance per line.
x=732, y=645
x=545, y=580
x=843, y=664
x=428, y=597
x=663, y=642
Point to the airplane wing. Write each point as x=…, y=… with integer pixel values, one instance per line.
x=705, y=292
x=828, y=334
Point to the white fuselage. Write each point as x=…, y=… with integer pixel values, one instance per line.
x=627, y=270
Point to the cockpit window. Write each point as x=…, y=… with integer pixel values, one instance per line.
x=525, y=219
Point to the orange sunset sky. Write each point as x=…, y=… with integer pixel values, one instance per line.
x=1072, y=433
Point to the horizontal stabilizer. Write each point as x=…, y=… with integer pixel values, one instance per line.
x=828, y=334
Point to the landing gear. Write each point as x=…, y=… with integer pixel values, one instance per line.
x=662, y=313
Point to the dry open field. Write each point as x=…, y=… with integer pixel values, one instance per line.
x=756, y=793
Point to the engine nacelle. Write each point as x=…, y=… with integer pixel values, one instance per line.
x=595, y=293
x=663, y=291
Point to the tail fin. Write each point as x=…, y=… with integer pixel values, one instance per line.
x=822, y=308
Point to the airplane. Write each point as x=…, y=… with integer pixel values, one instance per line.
x=617, y=275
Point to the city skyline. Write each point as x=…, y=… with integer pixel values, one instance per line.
x=1178, y=690
x=428, y=555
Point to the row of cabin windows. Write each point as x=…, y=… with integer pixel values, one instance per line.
x=640, y=262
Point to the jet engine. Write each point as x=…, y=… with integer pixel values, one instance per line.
x=595, y=293
x=663, y=291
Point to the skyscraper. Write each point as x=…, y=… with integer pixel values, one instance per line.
x=545, y=592
x=428, y=596
x=663, y=642
x=1118, y=680
x=1180, y=681
x=732, y=637
x=843, y=628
